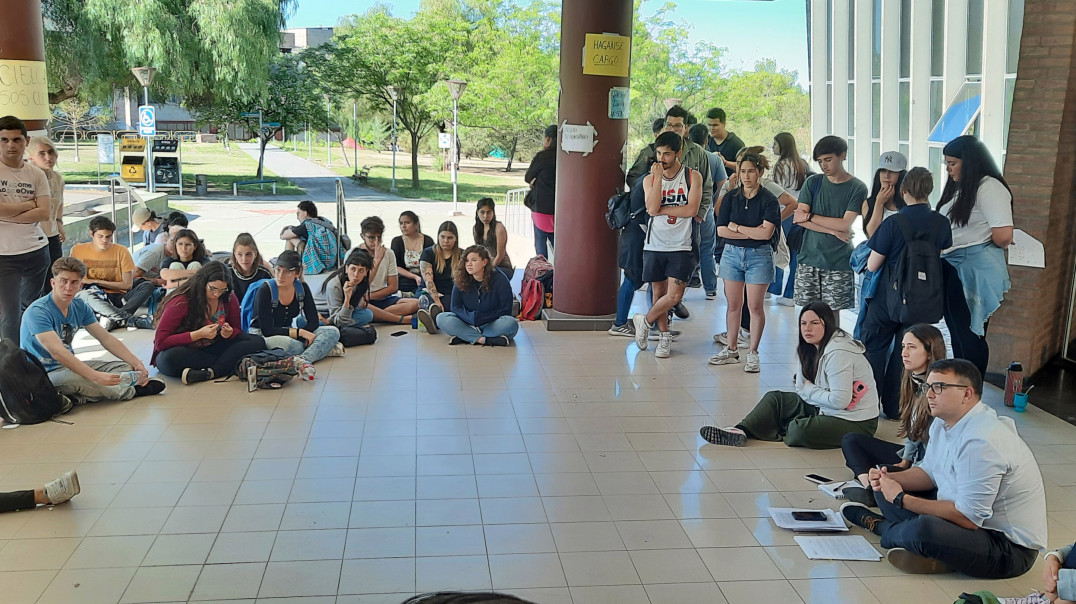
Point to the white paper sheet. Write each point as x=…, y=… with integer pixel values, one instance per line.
x=1026, y=251
x=782, y=517
x=850, y=547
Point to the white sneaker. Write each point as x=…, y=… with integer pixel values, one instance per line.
x=655, y=336
x=642, y=330
x=63, y=488
x=783, y=301
x=627, y=329
x=725, y=357
x=751, y=365
x=338, y=350
x=743, y=339
x=664, y=345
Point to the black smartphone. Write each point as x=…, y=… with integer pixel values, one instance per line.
x=397, y=334
x=817, y=478
x=808, y=516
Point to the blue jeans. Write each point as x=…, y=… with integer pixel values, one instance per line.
x=361, y=316
x=789, y=288
x=542, y=242
x=707, y=266
x=624, y=298
x=451, y=324
x=325, y=338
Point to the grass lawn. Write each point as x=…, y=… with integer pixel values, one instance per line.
x=223, y=167
x=477, y=177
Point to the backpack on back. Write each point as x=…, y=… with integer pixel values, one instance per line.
x=268, y=369
x=26, y=394
x=537, y=282
x=919, y=293
x=619, y=215
x=246, y=305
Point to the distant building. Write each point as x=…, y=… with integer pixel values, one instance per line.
x=299, y=38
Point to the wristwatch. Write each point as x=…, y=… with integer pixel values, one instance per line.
x=899, y=500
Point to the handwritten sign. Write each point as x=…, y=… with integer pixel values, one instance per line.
x=619, y=102
x=1026, y=250
x=607, y=55
x=578, y=138
x=24, y=89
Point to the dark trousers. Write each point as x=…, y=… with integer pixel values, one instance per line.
x=56, y=251
x=966, y=344
x=881, y=336
x=863, y=452
x=222, y=357
x=17, y=500
x=983, y=553
x=118, y=306
x=542, y=242
x=787, y=417
x=21, y=276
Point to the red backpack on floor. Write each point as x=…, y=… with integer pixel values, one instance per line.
x=537, y=282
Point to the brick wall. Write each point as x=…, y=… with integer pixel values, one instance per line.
x=1040, y=168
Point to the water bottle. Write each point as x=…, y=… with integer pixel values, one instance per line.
x=128, y=378
x=414, y=321
x=1014, y=382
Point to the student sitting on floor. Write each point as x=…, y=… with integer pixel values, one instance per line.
x=407, y=248
x=835, y=392
x=55, y=492
x=246, y=264
x=345, y=291
x=191, y=255
x=198, y=329
x=438, y=263
x=920, y=346
x=285, y=314
x=989, y=517
x=49, y=326
x=481, y=303
x=109, y=286
x=384, y=284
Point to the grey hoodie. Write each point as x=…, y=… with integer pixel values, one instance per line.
x=842, y=365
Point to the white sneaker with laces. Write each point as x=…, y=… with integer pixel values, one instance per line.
x=338, y=350
x=655, y=336
x=743, y=339
x=752, y=364
x=725, y=357
x=664, y=345
x=63, y=488
x=642, y=330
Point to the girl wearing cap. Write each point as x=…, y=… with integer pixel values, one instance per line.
x=42, y=154
x=285, y=314
x=979, y=204
x=198, y=329
x=149, y=223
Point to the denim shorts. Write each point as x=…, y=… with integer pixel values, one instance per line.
x=750, y=265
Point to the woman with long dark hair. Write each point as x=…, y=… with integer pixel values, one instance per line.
x=979, y=204
x=921, y=345
x=246, y=264
x=190, y=256
x=491, y=234
x=408, y=246
x=835, y=392
x=438, y=264
x=481, y=303
x=789, y=171
x=198, y=329
x=346, y=292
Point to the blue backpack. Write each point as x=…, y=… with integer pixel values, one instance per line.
x=246, y=307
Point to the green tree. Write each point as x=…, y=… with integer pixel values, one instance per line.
x=75, y=114
x=375, y=50
x=290, y=101
x=200, y=47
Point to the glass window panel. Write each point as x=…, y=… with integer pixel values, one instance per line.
x=959, y=114
x=937, y=38
x=829, y=107
x=851, y=40
x=902, y=148
x=935, y=102
x=904, y=94
x=1016, y=27
x=876, y=152
x=1010, y=86
x=829, y=40
x=905, y=38
x=851, y=109
x=934, y=164
x=850, y=164
x=876, y=112
x=876, y=40
x=975, y=37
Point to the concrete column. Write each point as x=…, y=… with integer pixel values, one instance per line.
x=919, y=112
x=995, y=33
x=23, y=85
x=890, y=119
x=838, y=25
x=863, y=101
x=587, y=277
x=820, y=101
x=956, y=48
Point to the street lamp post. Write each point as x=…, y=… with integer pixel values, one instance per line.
x=328, y=134
x=394, y=92
x=144, y=75
x=355, y=137
x=455, y=88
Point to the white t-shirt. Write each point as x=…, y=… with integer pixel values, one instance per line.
x=387, y=268
x=21, y=184
x=992, y=209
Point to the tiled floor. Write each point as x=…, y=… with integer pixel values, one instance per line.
x=564, y=469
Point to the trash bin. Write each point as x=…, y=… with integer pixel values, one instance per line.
x=201, y=184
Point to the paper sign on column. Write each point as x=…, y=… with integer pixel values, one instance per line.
x=852, y=547
x=1026, y=250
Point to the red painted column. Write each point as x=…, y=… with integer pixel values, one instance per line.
x=586, y=278
x=23, y=87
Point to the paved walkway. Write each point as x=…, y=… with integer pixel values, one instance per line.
x=318, y=181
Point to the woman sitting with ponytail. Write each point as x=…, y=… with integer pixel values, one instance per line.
x=346, y=290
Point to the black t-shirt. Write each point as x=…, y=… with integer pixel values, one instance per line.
x=441, y=280
x=276, y=322
x=239, y=283
x=400, y=250
x=763, y=207
x=300, y=231
x=728, y=148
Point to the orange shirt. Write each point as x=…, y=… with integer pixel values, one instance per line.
x=108, y=265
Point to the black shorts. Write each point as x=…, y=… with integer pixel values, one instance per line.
x=659, y=266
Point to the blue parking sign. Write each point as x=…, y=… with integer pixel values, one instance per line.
x=147, y=120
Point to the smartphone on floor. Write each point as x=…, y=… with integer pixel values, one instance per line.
x=817, y=478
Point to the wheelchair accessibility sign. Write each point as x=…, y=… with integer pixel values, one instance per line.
x=147, y=120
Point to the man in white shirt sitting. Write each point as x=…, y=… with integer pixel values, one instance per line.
x=989, y=518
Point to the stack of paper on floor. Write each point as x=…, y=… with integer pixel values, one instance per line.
x=850, y=547
x=782, y=517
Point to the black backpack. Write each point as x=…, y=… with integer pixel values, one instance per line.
x=619, y=215
x=357, y=335
x=26, y=394
x=916, y=277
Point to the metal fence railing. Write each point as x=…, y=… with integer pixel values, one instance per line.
x=516, y=215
